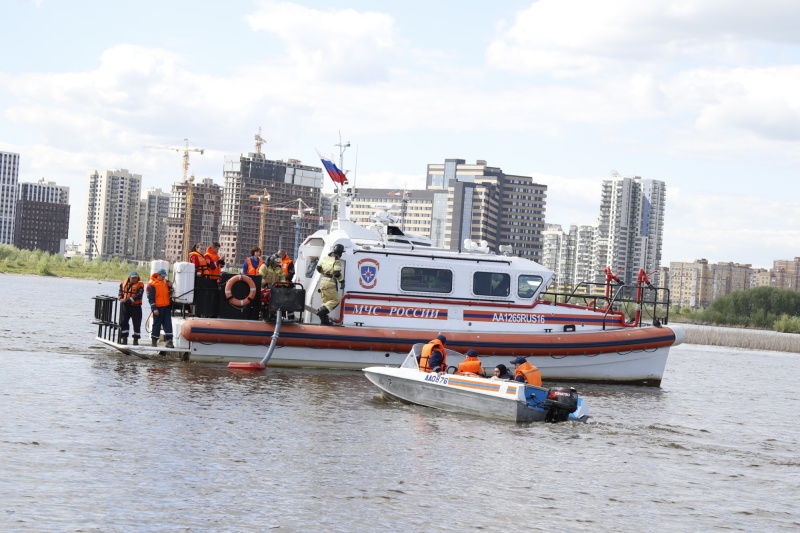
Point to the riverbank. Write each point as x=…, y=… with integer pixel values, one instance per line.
x=749, y=339
x=39, y=263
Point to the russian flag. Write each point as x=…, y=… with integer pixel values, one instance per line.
x=333, y=171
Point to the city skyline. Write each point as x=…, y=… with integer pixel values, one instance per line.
x=703, y=98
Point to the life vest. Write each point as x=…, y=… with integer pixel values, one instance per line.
x=427, y=350
x=161, y=290
x=213, y=273
x=287, y=265
x=530, y=373
x=253, y=270
x=200, y=263
x=130, y=290
x=471, y=365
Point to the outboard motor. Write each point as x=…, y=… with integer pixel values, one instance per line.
x=561, y=401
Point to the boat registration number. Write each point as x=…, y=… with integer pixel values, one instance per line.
x=436, y=379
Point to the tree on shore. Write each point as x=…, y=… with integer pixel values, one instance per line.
x=759, y=307
x=38, y=263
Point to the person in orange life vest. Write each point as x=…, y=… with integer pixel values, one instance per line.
x=287, y=265
x=434, y=357
x=524, y=372
x=471, y=364
x=159, y=294
x=253, y=263
x=212, y=256
x=131, y=292
x=201, y=264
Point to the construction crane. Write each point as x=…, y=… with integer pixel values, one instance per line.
x=187, y=222
x=259, y=141
x=297, y=219
x=263, y=201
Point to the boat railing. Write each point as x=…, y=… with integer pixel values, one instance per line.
x=106, y=318
x=615, y=301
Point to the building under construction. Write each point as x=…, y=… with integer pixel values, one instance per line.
x=267, y=203
x=206, y=201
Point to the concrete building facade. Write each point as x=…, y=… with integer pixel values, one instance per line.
x=699, y=283
x=112, y=199
x=249, y=178
x=486, y=204
x=42, y=217
x=630, y=226
x=204, y=222
x=9, y=179
x=151, y=233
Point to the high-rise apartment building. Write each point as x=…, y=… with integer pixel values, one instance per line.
x=204, y=222
x=9, y=178
x=486, y=204
x=571, y=255
x=631, y=224
x=112, y=213
x=42, y=217
x=151, y=233
x=249, y=179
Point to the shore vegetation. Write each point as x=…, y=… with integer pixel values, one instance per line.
x=38, y=263
x=759, y=308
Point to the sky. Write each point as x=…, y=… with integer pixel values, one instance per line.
x=703, y=95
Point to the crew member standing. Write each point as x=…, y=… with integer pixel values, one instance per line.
x=271, y=271
x=159, y=294
x=131, y=292
x=471, y=365
x=253, y=263
x=201, y=265
x=212, y=256
x=524, y=372
x=434, y=356
x=287, y=265
x=331, y=269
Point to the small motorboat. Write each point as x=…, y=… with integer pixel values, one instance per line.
x=491, y=398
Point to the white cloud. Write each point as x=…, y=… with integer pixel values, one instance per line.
x=584, y=37
x=336, y=44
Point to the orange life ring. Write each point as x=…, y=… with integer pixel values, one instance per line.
x=229, y=290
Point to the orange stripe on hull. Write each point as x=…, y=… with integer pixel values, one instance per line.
x=398, y=341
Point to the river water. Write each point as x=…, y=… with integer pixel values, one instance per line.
x=92, y=440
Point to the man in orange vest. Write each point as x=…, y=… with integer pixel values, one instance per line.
x=524, y=372
x=131, y=292
x=159, y=294
x=471, y=365
x=434, y=356
x=287, y=265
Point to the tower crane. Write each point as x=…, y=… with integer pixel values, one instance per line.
x=187, y=222
x=263, y=201
x=297, y=219
x=259, y=141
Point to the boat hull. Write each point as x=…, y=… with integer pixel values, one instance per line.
x=630, y=355
x=455, y=394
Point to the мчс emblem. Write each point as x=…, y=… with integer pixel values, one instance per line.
x=368, y=273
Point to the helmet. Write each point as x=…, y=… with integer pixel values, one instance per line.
x=275, y=259
x=338, y=250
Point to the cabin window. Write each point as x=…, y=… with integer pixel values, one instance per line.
x=312, y=266
x=528, y=285
x=418, y=279
x=491, y=283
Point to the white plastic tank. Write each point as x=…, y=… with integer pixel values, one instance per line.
x=158, y=264
x=184, y=283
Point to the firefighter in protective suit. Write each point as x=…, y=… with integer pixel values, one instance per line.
x=331, y=269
